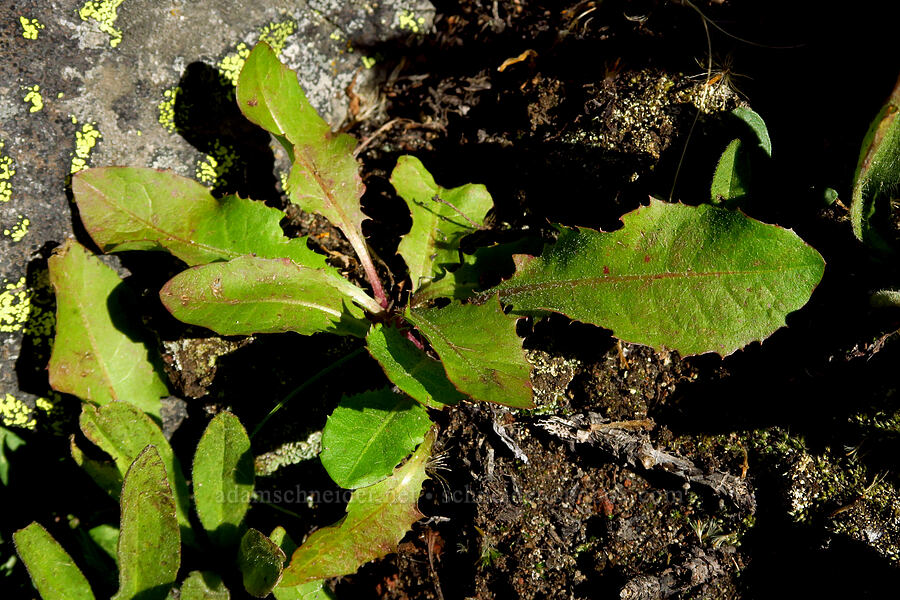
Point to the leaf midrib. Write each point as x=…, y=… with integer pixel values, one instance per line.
x=88, y=327
x=602, y=279
x=300, y=156
x=471, y=364
x=150, y=225
x=362, y=518
x=293, y=301
x=427, y=265
x=393, y=416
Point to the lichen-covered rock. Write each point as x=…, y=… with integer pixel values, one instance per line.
x=137, y=82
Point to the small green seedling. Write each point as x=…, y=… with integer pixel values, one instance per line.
x=695, y=279
x=147, y=479
x=731, y=183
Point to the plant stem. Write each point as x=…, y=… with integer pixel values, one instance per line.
x=372, y=276
x=335, y=365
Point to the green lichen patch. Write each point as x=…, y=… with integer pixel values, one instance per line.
x=290, y=453
x=550, y=377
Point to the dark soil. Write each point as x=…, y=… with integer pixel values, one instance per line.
x=580, y=131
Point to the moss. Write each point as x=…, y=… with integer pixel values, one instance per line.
x=834, y=487
x=643, y=118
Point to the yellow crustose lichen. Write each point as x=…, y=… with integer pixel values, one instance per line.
x=34, y=98
x=6, y=173
x=30, y=28
x=230, y=66
x=407, y=20
x=15, y=413
x=15, y=306
x=274, y=34
x=167, y=108
x=19, y=229
x=85, y=140
x=214, y=168
x=105, y=12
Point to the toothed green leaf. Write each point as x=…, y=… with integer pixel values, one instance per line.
x=481, y=353
x=440, y=219
x=131, y=208
x=313, y=590
x=324, y=177
x=693, y=279
x=410, y=368
x=482, y=269
x=368, y=434
x=377, y=518
x=52, y=570
x=96, y=355
x=257, y=295
x=149, y=547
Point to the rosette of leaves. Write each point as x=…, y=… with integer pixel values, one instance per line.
x=694, y=279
